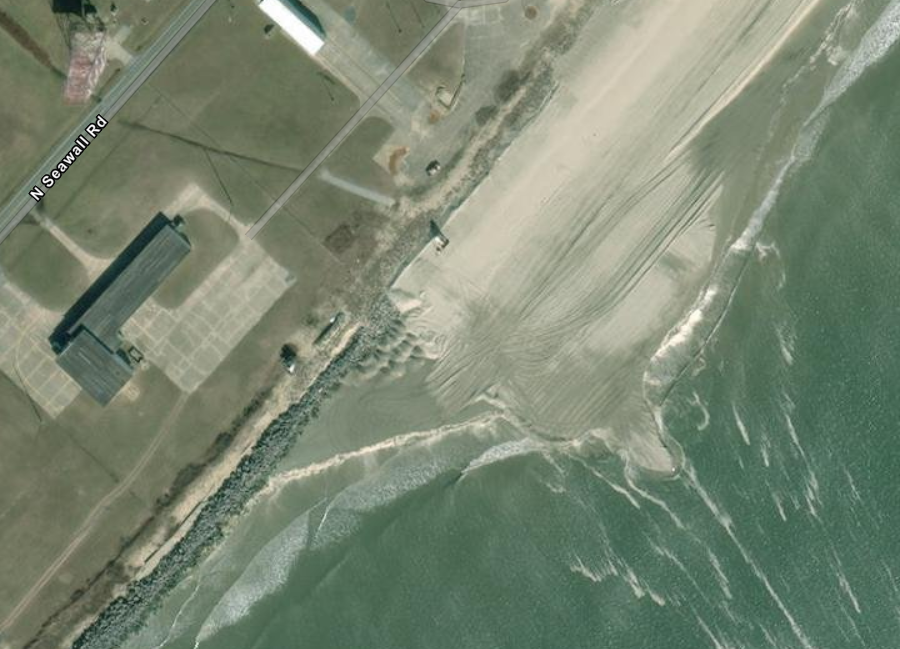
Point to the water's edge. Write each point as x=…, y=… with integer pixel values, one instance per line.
x=687, y=340
x=126, y=614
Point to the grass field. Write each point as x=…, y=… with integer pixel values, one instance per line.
x=101, y=204
x=118, y=434
x=239, y=116
x=40, y=504
x=345, y=223
x=443, y=63
x=38, y=31
x=241, y=135
x=261, y=99
x=18, y=414
x=33, y=114
x=211, y=239
x=34, y=58
x=126, y=190
x=35, y=261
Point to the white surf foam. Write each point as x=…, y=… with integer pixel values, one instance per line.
x=852, y=484
x=875, y=44
x=640, y=588
x=384, y=447
x=764, y=453
x=595, y=575
x=765, y=251
x=704, y=411
x=795, y=439
x=727, y=524
x=630, y=479
x=264, y=575
x=844, y=583
x=717, y=642
x=179, y=622
x=400, y=475
x=612, y=485
x=686, y=339
x=776, y=498
x=505, y=451
x=740, y=425
x=785, y=343
x=721, y=577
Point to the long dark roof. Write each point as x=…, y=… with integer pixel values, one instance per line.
x=97, y=369
x=88, y=337
x=134, y=279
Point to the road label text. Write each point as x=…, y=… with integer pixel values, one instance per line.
x=81, y=143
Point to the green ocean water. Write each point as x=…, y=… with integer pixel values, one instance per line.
x=398, y=524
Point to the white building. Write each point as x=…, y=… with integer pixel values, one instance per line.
x=296, y=22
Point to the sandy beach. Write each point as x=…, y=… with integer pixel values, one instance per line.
x=622, y=404
x=598, y=227
x=592, y=235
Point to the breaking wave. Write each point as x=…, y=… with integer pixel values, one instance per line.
x=264, y=575
x=687, y=339
x=400, y=465
x=394, y=444
x=505, y=451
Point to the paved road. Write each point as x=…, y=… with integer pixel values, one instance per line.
x=453, y=8
x=356, y=119
x=132, y=78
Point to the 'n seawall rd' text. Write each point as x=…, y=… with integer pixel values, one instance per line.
x=82, y=142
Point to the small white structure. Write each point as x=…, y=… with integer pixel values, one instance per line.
x=296, y=22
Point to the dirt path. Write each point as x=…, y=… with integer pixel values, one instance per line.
x=99, y=509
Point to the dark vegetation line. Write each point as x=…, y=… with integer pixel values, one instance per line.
x=21, y=36
x=235, y=158
x=113, y=572
x=126, y=614
x=207, y=147
x=218, y=176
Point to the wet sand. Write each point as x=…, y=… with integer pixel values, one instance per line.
x=426, y=496
x=590, y=238
x=597, y=229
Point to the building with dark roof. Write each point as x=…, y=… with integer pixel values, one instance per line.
x=99, y=371
x=87, y=341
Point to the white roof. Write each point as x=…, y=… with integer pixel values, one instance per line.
x=287, y=16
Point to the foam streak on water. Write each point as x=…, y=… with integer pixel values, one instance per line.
x=686, y=340
x=263, y=576
x=392, y=444
x=726, y=523
x=438, y=526
x=505, y=451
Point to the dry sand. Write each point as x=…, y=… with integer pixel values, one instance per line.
x=596, y=229
x=591, y=236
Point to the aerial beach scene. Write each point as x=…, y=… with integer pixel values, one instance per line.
x=558, y=323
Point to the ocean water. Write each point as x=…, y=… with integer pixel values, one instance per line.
x=398, y=523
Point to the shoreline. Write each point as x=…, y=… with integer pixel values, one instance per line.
x=221, y=489
x=687, y=340
x=127, y=612
x=619, y=262
x=219, y=493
